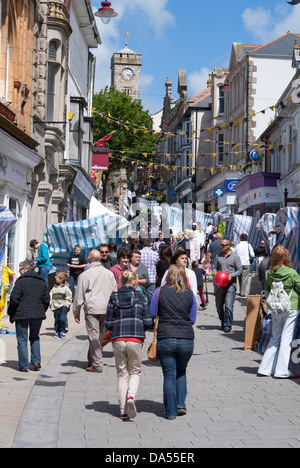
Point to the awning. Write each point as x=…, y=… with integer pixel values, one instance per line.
x=82, y=190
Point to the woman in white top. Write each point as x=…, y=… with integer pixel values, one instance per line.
x=245, y=252
x=181, y=258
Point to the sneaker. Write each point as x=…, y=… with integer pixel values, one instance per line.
x=63, y=335
x=131, y=408
x=181, y=412
x=37, y=367
x=124, y=417
x=56, y=335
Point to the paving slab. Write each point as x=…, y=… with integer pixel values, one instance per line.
x=228, y=406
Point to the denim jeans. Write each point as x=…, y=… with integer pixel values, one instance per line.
x=60, y=316
x=44, y=272
x=174, y=355
x=225, y=298
x=22, y=327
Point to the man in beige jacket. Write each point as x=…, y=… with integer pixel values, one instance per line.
x=94, y=288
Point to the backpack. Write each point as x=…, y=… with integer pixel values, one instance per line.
x=278, y=301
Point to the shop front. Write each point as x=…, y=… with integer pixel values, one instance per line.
x=17, y=162
x=219, y=193
x=258, y=194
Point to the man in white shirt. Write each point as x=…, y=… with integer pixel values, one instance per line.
x=245, y=252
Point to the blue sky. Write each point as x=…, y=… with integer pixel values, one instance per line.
x=187, y=34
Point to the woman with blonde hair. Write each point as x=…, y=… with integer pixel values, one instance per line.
x=277, y=355
x=177, y=312
x=128, y=317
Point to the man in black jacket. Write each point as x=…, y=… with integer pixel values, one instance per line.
x=29, y=301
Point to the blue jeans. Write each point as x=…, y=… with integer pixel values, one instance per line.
x=61, y=323
x=34, y=326
x=225, y=298
x=44, y=272
x=174, y=355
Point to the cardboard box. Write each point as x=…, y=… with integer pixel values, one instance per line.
x=252, y=328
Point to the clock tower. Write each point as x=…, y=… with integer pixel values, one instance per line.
x=126, y=71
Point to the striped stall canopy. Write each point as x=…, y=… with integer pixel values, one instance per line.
x=235, y=225
x=266, y=224
x=287, y=228
x=173, y=217
x=89, y=234
x=204, y=219
x=7, y=222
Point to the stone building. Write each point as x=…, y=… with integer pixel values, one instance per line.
x=126, y=72
x=62, y=101
x=18, y=147
x=46, y=127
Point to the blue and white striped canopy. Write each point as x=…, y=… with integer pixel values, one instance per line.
x=89, y=234
x=287, y=227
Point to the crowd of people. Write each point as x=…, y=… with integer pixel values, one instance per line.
x=121, y=289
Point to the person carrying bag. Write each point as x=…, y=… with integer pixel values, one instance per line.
x=176, y=308
x=152, y=350
x=282, y=287
x=128, y=318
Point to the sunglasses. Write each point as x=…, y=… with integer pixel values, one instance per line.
x=105, y=252
x=224, y=245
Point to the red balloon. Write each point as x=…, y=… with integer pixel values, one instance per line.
x=222, y=278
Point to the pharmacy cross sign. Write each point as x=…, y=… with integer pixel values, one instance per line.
x=219, y=192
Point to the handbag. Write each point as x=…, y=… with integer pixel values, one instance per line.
x=152, y=350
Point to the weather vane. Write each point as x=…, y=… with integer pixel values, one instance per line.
x=126, y=39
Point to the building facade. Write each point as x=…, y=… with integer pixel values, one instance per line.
x=260, y=191
x=18, y=147
x=45, y=115
x=62, y=121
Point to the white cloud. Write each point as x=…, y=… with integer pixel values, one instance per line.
x=197, y=81
x=258, y=21
x=267, y=25
x=152, y=14
x=156, y=13
x=146, y=80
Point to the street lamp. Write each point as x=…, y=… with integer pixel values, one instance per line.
x=106, y=13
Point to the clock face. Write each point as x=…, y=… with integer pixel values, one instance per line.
x=127, y=74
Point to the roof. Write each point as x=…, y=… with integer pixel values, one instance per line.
x=127, y=51
x=283, y=45
x=202, y=98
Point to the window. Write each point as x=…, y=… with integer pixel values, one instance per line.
x=52, y=51
x=221, y=99
x=52, y=69
x=220, y=149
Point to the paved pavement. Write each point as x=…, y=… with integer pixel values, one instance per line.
x=228, y=406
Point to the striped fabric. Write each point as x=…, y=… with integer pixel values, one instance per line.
x=287, y=228
x=173, y=217
x=89, y=234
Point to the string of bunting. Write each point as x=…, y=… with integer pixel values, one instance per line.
x=144, y=130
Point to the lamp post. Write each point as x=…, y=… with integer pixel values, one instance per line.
x=106, y=13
